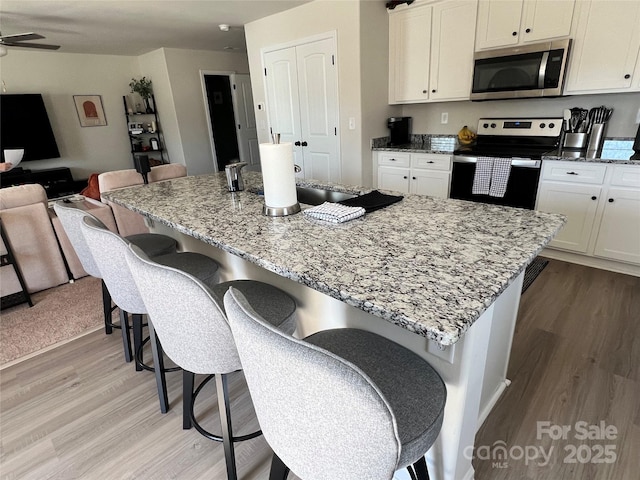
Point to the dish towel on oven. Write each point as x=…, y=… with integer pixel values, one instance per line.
x=334, y=212
x=491, y=177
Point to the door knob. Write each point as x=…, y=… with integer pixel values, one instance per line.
x=297, y=144
x=304, y=144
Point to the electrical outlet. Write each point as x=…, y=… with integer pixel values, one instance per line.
x=352, y=123
x=638, y=116
x=444, y=117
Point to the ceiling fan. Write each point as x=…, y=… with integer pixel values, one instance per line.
x=17, y=40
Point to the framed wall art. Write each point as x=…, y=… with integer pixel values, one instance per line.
x=90, y=111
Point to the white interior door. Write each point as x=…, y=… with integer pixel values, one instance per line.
x=318, y=94
x=281, y=81
x=245, y=119
x=302, y=102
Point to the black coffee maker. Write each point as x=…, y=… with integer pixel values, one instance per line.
x=399, y=130
x=636, y=146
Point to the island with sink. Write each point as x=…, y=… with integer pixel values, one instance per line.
x=443, y=277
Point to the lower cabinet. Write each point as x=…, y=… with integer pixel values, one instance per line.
x=419, y=173
x=602, y=206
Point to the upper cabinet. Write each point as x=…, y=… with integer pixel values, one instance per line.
x=503, y=23
x=431, y=51
x=606, y=45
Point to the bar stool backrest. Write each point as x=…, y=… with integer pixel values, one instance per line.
x=108, y=250
x=71, y=219
x=189, y=322
x=322, y=415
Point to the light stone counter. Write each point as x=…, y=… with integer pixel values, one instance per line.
x=429, y=265
x=450, y=271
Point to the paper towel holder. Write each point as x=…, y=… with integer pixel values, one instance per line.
x=280, y=211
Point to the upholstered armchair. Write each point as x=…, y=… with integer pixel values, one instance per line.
x=26, y=223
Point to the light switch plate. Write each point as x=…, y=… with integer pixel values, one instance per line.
x=444, y=117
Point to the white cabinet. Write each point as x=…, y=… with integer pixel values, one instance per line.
x=431, y=51
x=619, y=231
x=602, y=205
x=606, y=46
x=301, y=83
x=579, y=203
x=503, y=23
x=419, y=173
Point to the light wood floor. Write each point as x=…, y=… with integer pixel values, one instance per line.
x=80, y=412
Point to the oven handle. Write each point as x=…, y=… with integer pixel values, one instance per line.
x=515, y=161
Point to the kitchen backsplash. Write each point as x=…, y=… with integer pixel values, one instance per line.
x=444, y=143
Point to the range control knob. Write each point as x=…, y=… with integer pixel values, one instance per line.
x=493, y=125
x=551, y=125
x=485, y=125
x=542, y=125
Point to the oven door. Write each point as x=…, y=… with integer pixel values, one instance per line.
x=522, y=187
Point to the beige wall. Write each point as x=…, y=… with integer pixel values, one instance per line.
x=59, y=76
x=184, y=68
x=177, y=89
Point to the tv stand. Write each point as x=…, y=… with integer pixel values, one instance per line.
x=57, y=182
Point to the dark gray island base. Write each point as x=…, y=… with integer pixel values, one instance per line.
x=447, y=272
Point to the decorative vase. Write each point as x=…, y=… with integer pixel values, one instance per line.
x=147, y=104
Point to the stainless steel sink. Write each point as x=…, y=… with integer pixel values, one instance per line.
x=317, y=196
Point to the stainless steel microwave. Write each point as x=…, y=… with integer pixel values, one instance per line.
x=527, y=71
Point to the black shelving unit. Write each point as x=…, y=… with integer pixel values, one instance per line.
x=144, y=139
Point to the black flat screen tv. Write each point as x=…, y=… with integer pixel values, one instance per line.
x=24, y=123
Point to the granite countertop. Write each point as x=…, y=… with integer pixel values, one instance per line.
x=429, y=265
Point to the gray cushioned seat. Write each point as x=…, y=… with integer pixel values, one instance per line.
x=200, y=266
x=154, y=244
x=412, y=387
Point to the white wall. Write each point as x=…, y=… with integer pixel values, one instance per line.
x=426, y=117
x=59, y=76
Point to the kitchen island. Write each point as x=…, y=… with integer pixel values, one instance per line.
x=443, y=277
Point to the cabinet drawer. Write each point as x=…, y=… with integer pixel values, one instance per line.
x=574, y=172
x=626, y=176
x=395, y=159
x=431, y=161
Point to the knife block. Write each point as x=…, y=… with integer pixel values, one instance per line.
x=596, y=138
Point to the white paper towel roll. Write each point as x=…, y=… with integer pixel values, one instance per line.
x=278, y=175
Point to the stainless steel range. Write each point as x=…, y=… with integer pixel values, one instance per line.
x=524, y=141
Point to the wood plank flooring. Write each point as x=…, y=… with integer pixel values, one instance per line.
x=80, y=412
x=575, y=357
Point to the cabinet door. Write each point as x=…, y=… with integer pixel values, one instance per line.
x=546, y=19
x=619, y=234
x=578, y=203
x=432, y=183
x=409, y=50
x=606, y=45
x=498, y=23
x=392, y=178
x=452, y=43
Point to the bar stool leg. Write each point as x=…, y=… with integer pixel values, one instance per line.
x=106, y=307
x=279, y=471
x=158, y=363
x=137, y=339
x=126, y=336
x=225, y=421
x=188, y=379
x=420, y=467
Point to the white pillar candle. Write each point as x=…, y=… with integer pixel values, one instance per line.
x=278, y=176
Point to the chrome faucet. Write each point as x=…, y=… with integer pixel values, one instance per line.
x=234, y=176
